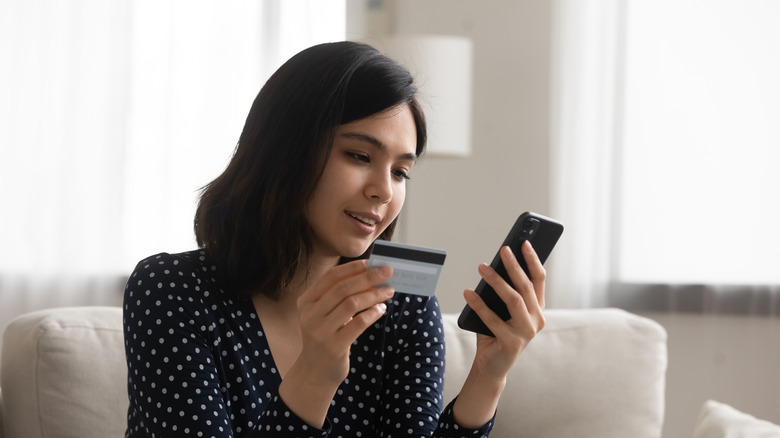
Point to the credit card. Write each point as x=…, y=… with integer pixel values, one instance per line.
x=416, y=269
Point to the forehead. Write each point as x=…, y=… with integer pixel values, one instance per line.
x=392, y=128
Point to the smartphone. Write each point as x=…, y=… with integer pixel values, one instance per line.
x=543, y=232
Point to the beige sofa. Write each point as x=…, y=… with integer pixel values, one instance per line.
x=589, y=373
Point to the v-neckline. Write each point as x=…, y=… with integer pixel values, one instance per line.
x=267, y=343
x=266, y=361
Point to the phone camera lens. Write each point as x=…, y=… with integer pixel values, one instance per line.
x=529, y=227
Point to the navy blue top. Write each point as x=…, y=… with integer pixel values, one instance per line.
x=199, y=364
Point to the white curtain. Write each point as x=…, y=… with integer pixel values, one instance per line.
x=113, y=114
x=665, y=145
x=586, y=36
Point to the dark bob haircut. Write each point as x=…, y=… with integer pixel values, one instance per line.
x=250, y=219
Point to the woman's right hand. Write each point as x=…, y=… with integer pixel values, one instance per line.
x=333, y=312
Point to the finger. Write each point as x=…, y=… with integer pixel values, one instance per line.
x=357, y=304
x=348, y=297
x=325, y=343
x=347, y=288
x=355, y=314
x=338, y=278
x=537, y=272
x=522, y=284
x=353, y=328
x=332, y=277
x=485, y=313
x=514, y=301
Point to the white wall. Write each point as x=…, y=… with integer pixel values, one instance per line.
x=465, y=205
x=732, y=359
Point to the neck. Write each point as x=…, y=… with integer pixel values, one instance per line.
x=306, y=276
x=318, y=267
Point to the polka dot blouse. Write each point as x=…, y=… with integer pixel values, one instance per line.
x=199, y=364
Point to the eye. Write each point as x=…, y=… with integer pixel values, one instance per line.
x=359, y=157
x=401, y=175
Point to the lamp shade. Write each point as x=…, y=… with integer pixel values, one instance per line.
x=441, y=66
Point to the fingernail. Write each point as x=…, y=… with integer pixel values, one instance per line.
x=385, y=270
x=508, y=252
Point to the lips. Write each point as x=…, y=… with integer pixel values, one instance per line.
x=368, y=219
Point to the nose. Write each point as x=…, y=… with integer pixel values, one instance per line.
x=380, y=187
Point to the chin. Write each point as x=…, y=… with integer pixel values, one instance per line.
x=356, y=254
x=356, y=251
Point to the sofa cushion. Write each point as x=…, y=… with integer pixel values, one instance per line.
x=64, y=374
x=719, y=420
x=588, y=373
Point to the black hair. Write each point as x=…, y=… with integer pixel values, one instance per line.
x=250, y=219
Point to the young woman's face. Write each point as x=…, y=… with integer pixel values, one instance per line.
x=363, y=186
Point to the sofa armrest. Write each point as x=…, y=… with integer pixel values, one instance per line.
x=588, y=373
x=64, y=369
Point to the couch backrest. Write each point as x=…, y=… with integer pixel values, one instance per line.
x=590, y=373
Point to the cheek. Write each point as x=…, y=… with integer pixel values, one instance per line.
x=319, y=202
x=399, y=197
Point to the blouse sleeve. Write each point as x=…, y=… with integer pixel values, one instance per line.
x=172, y=383
x=279, y=420
x=414, y=382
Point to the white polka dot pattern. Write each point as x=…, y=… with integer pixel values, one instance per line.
x=199, y=364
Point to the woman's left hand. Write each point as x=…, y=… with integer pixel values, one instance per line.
x=524, y=299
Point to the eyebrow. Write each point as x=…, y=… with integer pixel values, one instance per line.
x=378, y=144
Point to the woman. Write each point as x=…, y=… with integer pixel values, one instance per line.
x=276, y=327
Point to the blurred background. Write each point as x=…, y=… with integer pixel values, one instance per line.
x=649, y=128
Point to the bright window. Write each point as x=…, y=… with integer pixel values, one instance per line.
x=699, y=161
x=115, y=113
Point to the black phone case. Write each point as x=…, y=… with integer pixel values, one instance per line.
x=543, y=233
